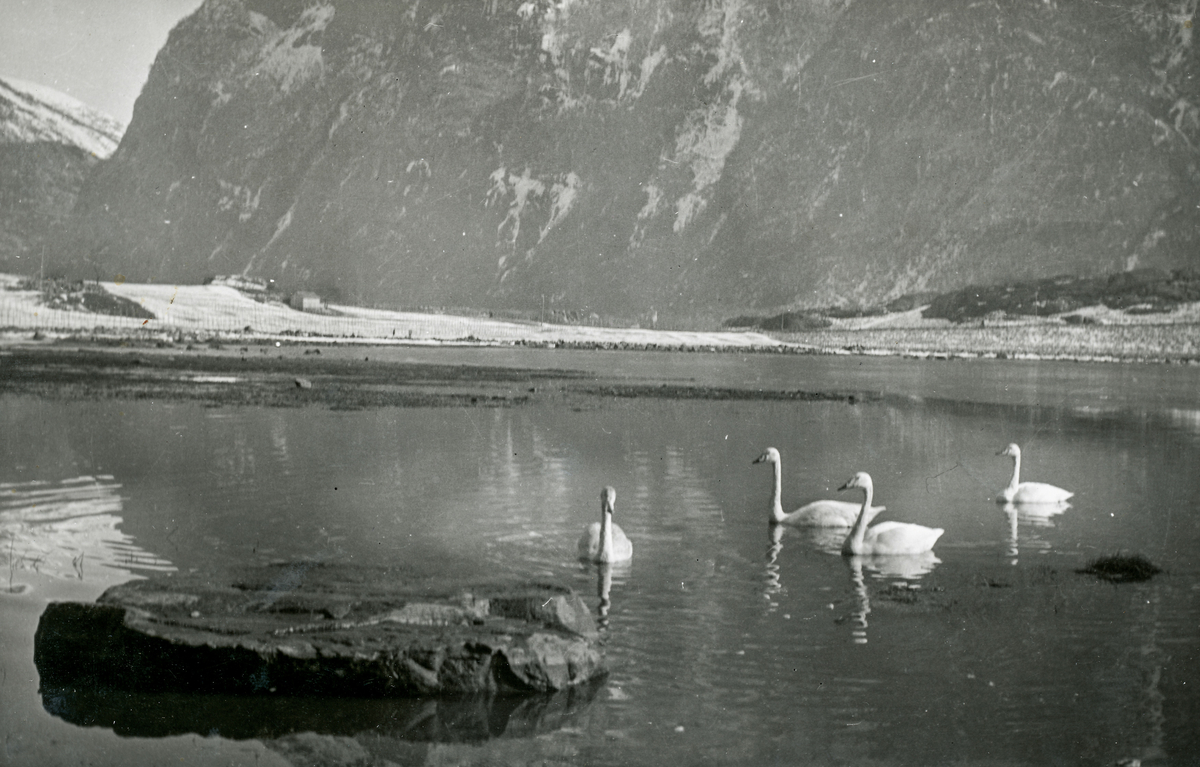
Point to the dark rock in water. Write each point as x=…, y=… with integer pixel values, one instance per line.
x=1119, y=568
x=306, y=629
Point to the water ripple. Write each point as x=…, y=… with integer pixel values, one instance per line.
x=69, y=529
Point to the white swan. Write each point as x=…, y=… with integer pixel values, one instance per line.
x=886, y=538
x=1028, y=492
x=815, y=514
x=604, y=541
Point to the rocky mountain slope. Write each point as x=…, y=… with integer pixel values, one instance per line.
x=48, y=143
x=637, y=156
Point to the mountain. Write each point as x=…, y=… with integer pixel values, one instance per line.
x=624, y=157
x=48, y=143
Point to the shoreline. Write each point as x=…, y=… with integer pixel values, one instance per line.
x=213, y=315
x=1141, y=343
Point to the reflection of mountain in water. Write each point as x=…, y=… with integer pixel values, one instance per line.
x=68, y=529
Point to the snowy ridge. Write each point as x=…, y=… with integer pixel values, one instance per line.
x=31, y=112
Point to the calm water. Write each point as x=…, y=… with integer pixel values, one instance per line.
x=727, y=644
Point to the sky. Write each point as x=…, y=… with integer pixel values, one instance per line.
x=97, y=51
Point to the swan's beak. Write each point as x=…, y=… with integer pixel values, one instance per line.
x=844, y=487
x=759, y=459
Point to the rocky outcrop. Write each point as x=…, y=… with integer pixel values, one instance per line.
x=313, y=630
x=692, y=159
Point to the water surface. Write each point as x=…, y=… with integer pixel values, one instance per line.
x=728, y=643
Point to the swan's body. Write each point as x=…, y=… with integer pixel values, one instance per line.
x=604, y=541
x=1028, y=492
x=886, y=538
x=822, y=513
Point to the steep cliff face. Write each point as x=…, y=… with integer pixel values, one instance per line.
x=48, y=143
x=629, y=156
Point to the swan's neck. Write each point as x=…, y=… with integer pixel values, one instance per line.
x=777, y=495
x=1016, y=477
x=854, y=540
x=606, y=537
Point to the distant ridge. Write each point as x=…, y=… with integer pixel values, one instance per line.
x=30, y=112
x=657, y=161
x=49, y=142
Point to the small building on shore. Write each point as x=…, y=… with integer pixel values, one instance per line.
x=305, y=301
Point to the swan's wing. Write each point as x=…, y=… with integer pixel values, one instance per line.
x=622, y=546
x=1040, y=492
x=823, y=513
x=589, y=542
x=901, y=538
x=827, y=513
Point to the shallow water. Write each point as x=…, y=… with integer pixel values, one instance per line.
x=727, y=644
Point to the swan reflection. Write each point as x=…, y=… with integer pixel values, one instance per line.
x=1037, y=515
x=827, y=539
x=68, y=529
x=906, y=568
x=859, y=616
x=772, y=584
x=604, y=581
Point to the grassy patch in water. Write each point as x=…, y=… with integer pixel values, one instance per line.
x=1119, y=568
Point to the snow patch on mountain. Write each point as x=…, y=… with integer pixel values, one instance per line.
x=30, y=112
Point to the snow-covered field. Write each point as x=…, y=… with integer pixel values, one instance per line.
x=221, y=310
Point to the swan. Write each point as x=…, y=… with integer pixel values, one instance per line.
x=815, y=514
x=1028, y=492
x=604, y=541
x=886, y=538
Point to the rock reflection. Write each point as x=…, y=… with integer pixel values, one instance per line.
x=1031, y=515
x=901, y=571
x=238, y=717
x=68, y=529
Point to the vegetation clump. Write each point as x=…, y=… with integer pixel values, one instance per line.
x=1119, y=568
x=1140, y=291
x=80, y=296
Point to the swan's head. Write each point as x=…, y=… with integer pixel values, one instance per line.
x=861, y=479
x=770, y=455
x=1011, y=450
x=608, y=496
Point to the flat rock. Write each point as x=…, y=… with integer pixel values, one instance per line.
x=311, y=629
